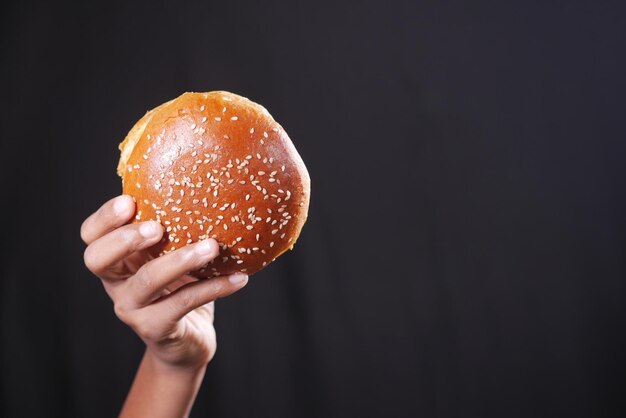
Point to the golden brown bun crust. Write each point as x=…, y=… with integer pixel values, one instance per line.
x=216, y=165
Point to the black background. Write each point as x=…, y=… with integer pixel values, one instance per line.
x=464, y=254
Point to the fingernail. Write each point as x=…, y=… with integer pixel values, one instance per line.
x=148, y=229
x=120, y=206
x=237, y=278
x=204, y=247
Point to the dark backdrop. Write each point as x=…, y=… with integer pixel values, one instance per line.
x=465, y=249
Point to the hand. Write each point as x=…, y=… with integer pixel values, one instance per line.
x=171, y=311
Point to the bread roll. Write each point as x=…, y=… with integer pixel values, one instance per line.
x=217, y=165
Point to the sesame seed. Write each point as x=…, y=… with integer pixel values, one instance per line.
x=234, y=118
x=218, y=119
x=251, y=130
x=201, y=108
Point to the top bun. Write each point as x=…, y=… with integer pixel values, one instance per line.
x=217, y=165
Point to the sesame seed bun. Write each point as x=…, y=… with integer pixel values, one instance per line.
x=217, y=165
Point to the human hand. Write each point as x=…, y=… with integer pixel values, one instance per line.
x=171, y=311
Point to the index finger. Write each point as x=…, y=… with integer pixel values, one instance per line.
x=113, y=214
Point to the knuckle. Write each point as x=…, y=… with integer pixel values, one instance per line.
x=90, y=260
x=221, y=291
x=147, y=329
x=143, y=280
x=128, y=236
x=186, y=300
x=121, y=311
x=83, y=231
x=185, y=256
x=181, y=259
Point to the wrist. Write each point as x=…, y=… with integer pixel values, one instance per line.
x=165, y=368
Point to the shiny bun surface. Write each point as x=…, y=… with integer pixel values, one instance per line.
x=217, y=165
